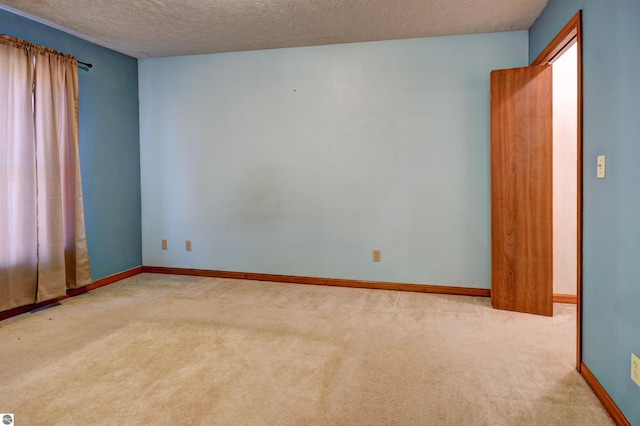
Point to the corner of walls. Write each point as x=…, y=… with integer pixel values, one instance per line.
x=109, y=144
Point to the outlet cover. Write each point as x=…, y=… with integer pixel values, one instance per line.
x=188, y=245
x=165, y=245
x=376, y=255
x=635, y=369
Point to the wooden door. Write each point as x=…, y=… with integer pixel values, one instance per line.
x=521, y=190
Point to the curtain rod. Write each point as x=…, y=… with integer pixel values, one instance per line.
x=7, y=39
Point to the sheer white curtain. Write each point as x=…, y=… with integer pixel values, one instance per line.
x=43, y=247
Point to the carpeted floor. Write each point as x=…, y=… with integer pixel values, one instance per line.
x=160, y=349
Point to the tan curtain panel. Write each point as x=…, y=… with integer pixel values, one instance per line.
x=50, y=175
x=18, y=229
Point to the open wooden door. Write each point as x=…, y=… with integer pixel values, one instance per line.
x=521, y=190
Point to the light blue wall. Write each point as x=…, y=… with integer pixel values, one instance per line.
x=301, y=161
x=109, y=144
x=611, y=269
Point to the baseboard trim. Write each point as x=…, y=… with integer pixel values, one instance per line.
x=291, y=279
x=565, y=298
x=604, y=397
x=71, y=293
x=105, y=281
x=336, y=282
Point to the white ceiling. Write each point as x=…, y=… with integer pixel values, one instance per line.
x=154, y=28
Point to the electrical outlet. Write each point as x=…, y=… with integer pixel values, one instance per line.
x=635, y=369
x=165, y=245
x=188, y=245
x=376, y=255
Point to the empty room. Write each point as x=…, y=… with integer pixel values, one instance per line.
x=289, y=212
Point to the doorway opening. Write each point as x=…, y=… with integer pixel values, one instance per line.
x=565, y=177
x=565, y=54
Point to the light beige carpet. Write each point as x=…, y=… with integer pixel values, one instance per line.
x=169, y=350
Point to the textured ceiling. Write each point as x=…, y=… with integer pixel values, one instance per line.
x=153, y=28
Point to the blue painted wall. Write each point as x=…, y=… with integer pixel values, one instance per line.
x=611, y=271
x=109, y=144
x=302, y=161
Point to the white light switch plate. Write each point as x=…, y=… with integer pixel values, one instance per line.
x=602, y=166
x=635, y=369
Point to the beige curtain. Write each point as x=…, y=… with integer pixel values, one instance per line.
x=43, y=246
x=18, y=230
